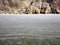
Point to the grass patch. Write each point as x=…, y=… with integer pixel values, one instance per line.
x=27, y=41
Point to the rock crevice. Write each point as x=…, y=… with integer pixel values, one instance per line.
x=29, y=6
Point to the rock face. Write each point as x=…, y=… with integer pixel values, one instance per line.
x=29, y=6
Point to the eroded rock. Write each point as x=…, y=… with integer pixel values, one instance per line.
x=29, y=6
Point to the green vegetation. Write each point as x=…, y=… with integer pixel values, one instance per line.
x=27, y=41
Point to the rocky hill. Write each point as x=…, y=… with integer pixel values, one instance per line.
x=29, y=7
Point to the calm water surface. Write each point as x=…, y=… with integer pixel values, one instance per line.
x=30, y=26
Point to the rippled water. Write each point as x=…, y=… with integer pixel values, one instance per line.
x=29, y=26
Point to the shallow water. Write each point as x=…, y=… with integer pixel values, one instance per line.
x=12, y=27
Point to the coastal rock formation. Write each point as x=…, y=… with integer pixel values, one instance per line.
x=29, y=7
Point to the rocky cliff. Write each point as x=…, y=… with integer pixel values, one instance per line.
x=29, y=7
